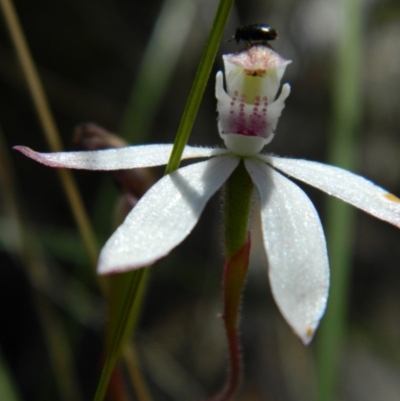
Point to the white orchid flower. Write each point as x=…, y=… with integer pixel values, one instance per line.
x=292, y=233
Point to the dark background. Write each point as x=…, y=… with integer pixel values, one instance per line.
x=88, y=54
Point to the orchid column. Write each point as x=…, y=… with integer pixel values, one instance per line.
x=247, y=120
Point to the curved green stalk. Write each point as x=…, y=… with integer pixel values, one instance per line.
x=199, y=84
x=147, y=92
x=131, y=309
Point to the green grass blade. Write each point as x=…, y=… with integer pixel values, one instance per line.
x=199, y=84
x=49, y=126
x=24, y=244
x=135, y=291
x=340, y=217
x=120, y=334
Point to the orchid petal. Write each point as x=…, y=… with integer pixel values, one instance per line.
x=344, y=185
x=164, y=216
x=296, y=249
x=117, y=159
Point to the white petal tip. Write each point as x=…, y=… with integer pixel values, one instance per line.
x=26, y=151
x=104, y=270
x=307, y=335
x=285, y=91
x=113, y=262
x=391, y=197
x=42, y=158
x=20, y=148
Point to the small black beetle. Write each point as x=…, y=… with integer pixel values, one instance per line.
x=255, y=34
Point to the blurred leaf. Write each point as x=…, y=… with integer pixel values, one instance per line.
x=340, y=217
x=49, y=126
x=25, y=245
x=163, y=51
x=8, y=390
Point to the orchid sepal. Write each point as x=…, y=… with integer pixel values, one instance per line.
x=296, y=251
x=164, y=216
x=342, y=184
x=117, y=159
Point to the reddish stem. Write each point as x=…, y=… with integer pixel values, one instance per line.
x=234, y=277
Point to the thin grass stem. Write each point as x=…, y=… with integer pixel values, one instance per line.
x=135, y=291
x=199, y=84
x=340, y=217
x=28, y=250
x=49, y=127
x=131, y=360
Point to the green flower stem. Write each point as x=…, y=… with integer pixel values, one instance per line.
x=238, y=193
x=199, y=84
x=237, y=203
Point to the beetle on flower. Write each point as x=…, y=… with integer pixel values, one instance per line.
x=293, y=237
